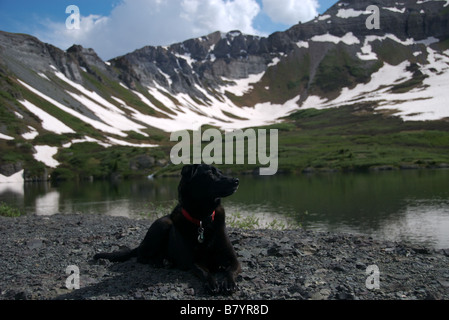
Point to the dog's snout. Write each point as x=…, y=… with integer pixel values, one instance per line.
x=236, y=181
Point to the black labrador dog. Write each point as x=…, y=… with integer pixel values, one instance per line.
x=193, y=236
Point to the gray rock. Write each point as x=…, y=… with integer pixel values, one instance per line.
x=58, y=241
x=8, y=169
x=142, y=162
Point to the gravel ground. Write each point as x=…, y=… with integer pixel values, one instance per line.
x=36, y=251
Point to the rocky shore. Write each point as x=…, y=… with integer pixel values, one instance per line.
x=298, y=264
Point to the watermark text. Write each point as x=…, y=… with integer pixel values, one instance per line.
x=373, y=280
x=73, y=21
x=373, y=21
x=73, y=280
x=219, y=146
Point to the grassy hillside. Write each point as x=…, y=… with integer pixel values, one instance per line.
x=339, y=139
x=354, y=138
x=350, y=138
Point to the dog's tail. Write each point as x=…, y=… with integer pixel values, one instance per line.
x=117, y=256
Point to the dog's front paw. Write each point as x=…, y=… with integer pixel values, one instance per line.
x=212, y=285
x=228, y=285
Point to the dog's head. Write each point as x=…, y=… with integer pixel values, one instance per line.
x=205, y=182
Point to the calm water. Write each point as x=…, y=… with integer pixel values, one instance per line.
x=411, y=206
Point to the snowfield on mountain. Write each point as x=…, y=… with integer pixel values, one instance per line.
x=53, y=98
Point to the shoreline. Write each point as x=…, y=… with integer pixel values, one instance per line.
x=289, y=264
x=19, y=178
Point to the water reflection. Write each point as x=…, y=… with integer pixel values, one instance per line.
x=420, y=221
x=409, y=206
x=48, y=204
x=12, y=188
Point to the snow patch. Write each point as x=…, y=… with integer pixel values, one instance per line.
x=42, y=75
x=302, y=44
x=424, y=1
x=148, y=102
x=30, y=135
x=49, y=122
x=91, y=94
x=5, y=137
x=45, y=154
x=159, y=96
x=348, y=38
x=86, y=139
x=128, y=144
x=215, y=111
x=187, y=57
x=274, y=62
x=112, y=118
x=394, y=9
x=427, y=102
x=375, y=90
x=241, y=86
x=367, y=51
x=325, y=17
x=212, y=57
x=350, y=13
x=15, y=178
x=96, y=124
x=166, y=76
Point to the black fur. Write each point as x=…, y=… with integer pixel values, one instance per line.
x=175, y=238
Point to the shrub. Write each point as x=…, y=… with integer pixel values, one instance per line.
x=9, y=211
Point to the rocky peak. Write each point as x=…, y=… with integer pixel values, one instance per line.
x=234, y=55
x=298, y=62
x=86, y=57
x=406, y=19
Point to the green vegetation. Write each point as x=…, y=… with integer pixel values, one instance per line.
x=81, y=161
x=158, y=211
x=251, y=222
x=352, y=138
x=9, y=211
x=349, y=138
x=89, y=160
x=338, y=70
x=393, y=52
x=283, y=81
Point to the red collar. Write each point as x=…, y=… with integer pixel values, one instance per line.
x=194, y=220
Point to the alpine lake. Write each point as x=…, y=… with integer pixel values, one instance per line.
x=410, y=205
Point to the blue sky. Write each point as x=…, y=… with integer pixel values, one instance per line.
x=115, y=27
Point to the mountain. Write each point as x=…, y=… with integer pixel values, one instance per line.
x=57, y=105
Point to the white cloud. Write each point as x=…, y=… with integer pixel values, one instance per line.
x=212, y=15
x=290, y=12
x=133, y=24
x=136, y=23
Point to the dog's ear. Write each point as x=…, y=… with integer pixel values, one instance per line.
x=187, y=173
x=189, y=170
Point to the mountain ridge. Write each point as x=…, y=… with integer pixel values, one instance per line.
x=227, y=80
